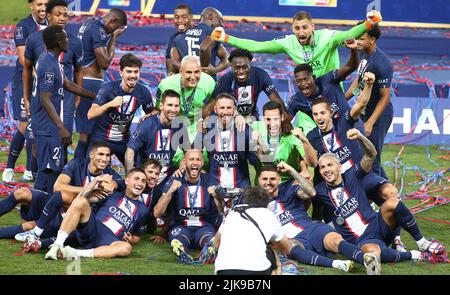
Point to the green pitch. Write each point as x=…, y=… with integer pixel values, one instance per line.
x=150, y=258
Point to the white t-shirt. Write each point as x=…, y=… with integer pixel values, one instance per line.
x=242, y=245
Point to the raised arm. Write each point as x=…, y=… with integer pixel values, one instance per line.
x=370, y=152
x=129, y=159
x=165, y=199
x=105, y=55
x=305, y=185
x=271, y=46
x=310, y=152
x=364, y=96
x=373, y=18
x=352, y=63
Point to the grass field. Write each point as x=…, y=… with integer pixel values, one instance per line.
x=150, y=258
x=13, y=11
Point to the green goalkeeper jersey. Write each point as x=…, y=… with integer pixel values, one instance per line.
x=287, y=148
x=322, y=55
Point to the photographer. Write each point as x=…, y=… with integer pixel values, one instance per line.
x=242, y=248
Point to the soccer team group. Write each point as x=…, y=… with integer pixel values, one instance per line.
x=188, y=159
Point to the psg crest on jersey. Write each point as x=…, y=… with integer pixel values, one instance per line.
x=49, y=78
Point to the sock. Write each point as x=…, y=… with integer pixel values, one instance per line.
x=406, y=220
x=38, y=231
x=7, y=204
x=389, y=255
x=61, y=238
x=10, y=231
x=350, y=251
x=34, y=166
x=51, y=209
x=85, y=253
x=415, y=255
x=30, y=157
x=309, y=257
x=45, y=244
x=80, y=151
x=421, y=242
x=15, y=148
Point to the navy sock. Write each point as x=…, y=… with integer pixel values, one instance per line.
x=34, y=166
x=7, y=204
x=15, y=148
x=80, y=151
x=10, y=231
x=45, y=244
x=30, y=157
x=389, y=255
x=350, y=251
x=406, y=220
x=51, y=209
x=309, y=257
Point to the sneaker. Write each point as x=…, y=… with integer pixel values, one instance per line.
x=433, y=258
x=372, y=265
x=177, y=247
x=207, y=254
x=399, y=246
x=31, y=245
x=22, y=237
x=8, y=175
x=27, y=176
x=68, y=253
x=345, y=265
x=433, y=246
x=54, y=252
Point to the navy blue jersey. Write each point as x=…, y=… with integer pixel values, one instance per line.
x=349, y=201
x=35, y=46
x=188, y=43
x=229, y=153
x=73, y=57
x=24, y=29
x=170, y=44
x=191, y=204
x=92, y=35
x=49, y=78
x=150, y=197
x=290, y=211
x=348, y=151
x=78, y=171
x=329, y=87
x=151, y=140
x=246, y=94
x=114, y=124
x=378, y=64
x=121, y=214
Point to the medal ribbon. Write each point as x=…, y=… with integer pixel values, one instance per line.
x=187, y=104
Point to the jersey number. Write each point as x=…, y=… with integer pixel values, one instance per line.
x=193, y=47
x=56, y=153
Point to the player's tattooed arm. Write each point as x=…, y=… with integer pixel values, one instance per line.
x=370, y=152
x=165, y=199
x=364, y=96
x=129, y=159
x=310, y=152
x=306, y=186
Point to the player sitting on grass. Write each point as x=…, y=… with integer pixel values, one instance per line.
x=111, y=229
x=345, y=203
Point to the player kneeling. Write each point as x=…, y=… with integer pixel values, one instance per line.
x=111, y=229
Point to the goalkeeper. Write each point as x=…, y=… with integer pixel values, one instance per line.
x=318, y=48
